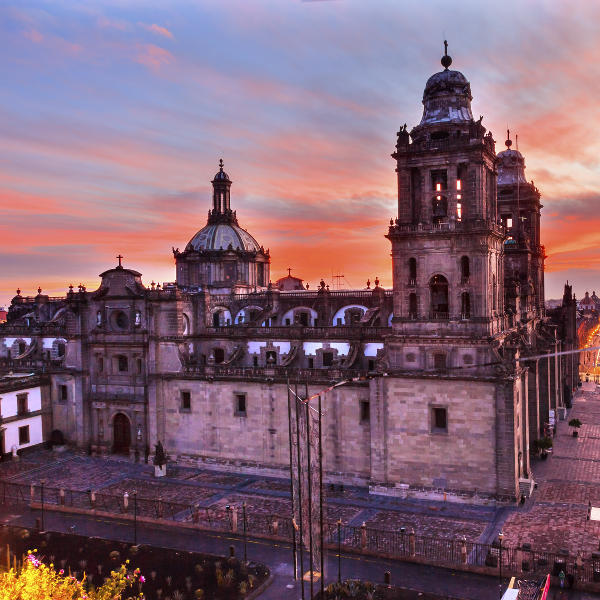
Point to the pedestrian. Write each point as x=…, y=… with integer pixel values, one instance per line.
x=561, y=576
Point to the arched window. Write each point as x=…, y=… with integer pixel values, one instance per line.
x=412, y=271
x=465, y=310
x=438, y=286
x=60, y=349
x=494, y=292
x=439, y=208
x=465, y=270
x=412, y=306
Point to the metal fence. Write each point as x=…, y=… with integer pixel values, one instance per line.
x=400, y=544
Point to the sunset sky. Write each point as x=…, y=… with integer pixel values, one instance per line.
x=113, y=116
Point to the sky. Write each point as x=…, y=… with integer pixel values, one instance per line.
x=114, y=115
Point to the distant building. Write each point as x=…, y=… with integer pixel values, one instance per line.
x=444, y=385
x=25, y=412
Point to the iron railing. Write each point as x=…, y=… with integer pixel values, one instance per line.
x=399, y=544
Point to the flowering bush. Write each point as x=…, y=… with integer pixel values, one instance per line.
x=37, y=581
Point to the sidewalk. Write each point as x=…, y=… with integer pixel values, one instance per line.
x=278, y=557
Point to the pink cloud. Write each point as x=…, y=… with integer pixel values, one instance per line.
x=153, y=56
x=34, y=35
x=154, y=28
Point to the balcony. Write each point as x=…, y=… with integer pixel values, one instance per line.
x=274, y=373
x=296, y=332
x=436, y=315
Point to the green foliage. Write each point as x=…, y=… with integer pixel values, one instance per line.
x=544, y=443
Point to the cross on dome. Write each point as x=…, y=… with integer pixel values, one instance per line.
x=446, y=59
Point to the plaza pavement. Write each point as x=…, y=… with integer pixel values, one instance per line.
x=555, y=517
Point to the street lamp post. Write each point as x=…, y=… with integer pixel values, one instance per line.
x=500, y=538
x=42, y=482
x=244, y=526
x=135, y=517
x=339, y=532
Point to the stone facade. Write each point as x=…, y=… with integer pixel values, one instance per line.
x=445, y=388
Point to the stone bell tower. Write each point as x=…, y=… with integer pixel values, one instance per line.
x=446, y=242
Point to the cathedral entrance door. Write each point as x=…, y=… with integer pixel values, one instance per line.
x=121, y=434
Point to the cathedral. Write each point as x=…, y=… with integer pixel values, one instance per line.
x=449, y=376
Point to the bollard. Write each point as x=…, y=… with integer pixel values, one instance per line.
x=61, y=494
x=125, y=501
x=387, y=578
x=232, y=551
x=93, y=498
x=234, y=516
x=411, y=543
x=363, y=536
x=463, y=550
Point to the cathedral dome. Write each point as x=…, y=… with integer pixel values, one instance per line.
x=447, y=96
x=511, y=166
x=447, y=99
x=219, y=236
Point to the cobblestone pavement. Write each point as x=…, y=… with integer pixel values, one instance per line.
x=111, y=477
x=556, y=515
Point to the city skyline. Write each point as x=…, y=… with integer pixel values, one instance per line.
x=114, y=119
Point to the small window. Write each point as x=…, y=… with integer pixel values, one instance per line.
x=24, y=435
x=327, y=359
x=439, y=420
x=186, y=400
x=255, y=361
x=439, y=361
x=63, y=394
x=339, y=321
x=219, y=355
x=60, y=349
x=371, y=365
x=271, y=357
x=311, y=363
x=138, y=365
x=22, y=347
x=100, y=364
x=122, y=363
x=240, y=405
x=22, y=408
x=288, y=322
x=365, y=411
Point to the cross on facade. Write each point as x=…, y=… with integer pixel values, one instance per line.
x=120, y=257
x=289, y=271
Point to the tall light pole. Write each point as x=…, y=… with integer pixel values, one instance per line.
x=135, y=517
x=245, y=538
x=42, y=482
x=339, y=532
x=500, y=538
